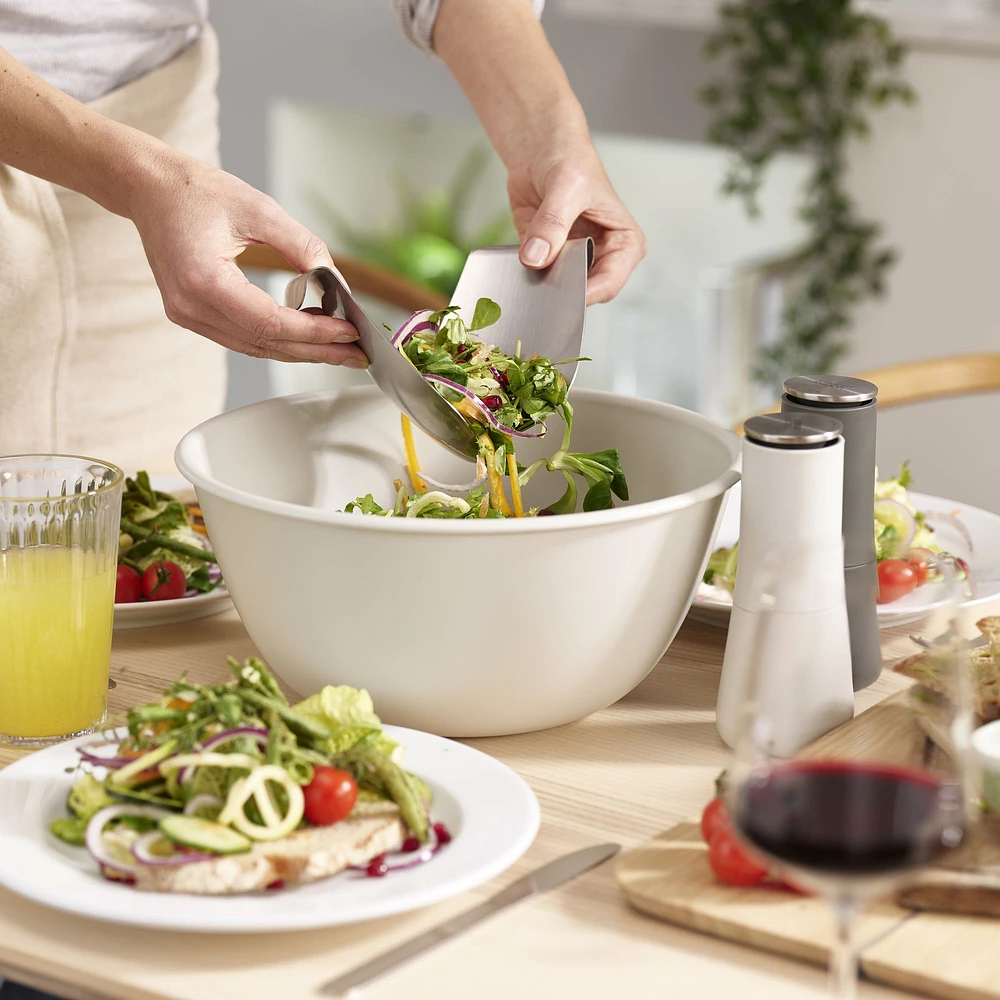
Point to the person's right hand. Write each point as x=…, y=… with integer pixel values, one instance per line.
x=194, y=221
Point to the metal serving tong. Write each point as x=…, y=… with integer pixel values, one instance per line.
x=544, y=310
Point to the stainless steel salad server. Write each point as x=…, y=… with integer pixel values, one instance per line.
x=541, y=879
x=544, y=310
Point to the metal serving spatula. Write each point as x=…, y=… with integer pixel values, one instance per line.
x=543, y=309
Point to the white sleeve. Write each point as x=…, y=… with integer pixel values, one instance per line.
x=417, y=18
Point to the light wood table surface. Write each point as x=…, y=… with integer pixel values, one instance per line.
x=624, y=774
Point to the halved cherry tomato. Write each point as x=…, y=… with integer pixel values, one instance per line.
x=330, y=796
x=714, y=819
x=731, y=862
x=163, y=581
x=896, y=579
x=128, y=585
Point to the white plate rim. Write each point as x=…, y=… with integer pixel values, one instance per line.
x=714, y=612
x=511, y=796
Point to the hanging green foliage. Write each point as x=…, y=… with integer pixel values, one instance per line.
x=802, y=78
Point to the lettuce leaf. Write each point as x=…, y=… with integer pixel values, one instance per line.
x=350, y=714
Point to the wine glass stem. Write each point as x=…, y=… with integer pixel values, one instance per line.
x=844, y=957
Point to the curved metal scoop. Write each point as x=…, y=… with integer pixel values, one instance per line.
x=543, y=309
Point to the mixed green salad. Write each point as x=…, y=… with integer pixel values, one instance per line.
x=211, y=771
x=163, y=551
x=905, y=544
x=506, y=398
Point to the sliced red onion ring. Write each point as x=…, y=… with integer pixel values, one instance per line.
x=142, y=849
x=110, y=762
x=230, y=734
x=535, y=431
x=417, y=323
x=94, y=836
x=451, y=487
x=955, y=522
x=203, y=800
x=893, y=512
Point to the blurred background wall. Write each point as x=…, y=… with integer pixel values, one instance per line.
x=324, y=105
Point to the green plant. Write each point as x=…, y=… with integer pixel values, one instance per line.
x=802, y=77
x=431, y=241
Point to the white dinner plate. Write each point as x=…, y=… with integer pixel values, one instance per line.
x=146, y=614
x=491, y=812
x=712, y=604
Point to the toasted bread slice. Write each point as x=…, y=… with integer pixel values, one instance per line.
x=373, y=828
x=984, y=666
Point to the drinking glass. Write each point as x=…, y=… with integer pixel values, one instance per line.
x=850, y=817
x=59, y=528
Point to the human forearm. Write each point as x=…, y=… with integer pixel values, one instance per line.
x=47, y=133
x=498, y=53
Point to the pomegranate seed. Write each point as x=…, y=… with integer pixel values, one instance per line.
x=442, y=834
x=493, y=402
x=377, y=867
x=503, y=380
x=410, y=845
x=276, y=884
x=544, y=512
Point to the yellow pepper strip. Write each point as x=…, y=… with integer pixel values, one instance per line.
x=515, y=483
x=412, y=465
x=496, y=483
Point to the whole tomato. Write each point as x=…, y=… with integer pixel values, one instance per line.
x=128, y=585
x=330, y=796
x=896, y=578
x=163, y=581
x=731, y=862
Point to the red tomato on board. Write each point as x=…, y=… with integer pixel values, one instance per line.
x=731, y=862
x=896, y=579
x=714, y=819
x=163, y=581
x=128, y=585
x=330, y=796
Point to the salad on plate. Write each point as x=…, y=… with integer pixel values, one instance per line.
x=163, y=550
x=906, y=546
x=506, y=398
x=224, y=789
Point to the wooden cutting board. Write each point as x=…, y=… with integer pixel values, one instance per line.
x=940, y=954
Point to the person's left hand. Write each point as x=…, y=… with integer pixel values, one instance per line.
x=562, y=192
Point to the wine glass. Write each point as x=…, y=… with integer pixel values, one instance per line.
x=851, y=816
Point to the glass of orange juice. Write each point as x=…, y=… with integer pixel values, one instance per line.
x=59, y=527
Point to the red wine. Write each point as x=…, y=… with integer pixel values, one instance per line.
x=845, y=819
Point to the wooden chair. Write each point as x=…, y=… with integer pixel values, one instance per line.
x=921, y=381
x=363, y=277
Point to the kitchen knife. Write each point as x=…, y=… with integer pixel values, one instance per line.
x=541, y=879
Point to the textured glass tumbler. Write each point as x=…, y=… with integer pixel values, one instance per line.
x=59, y=527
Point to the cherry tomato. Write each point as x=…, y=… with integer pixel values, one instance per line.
x=714, y=819
x=731, y=862
x=128, y=585
x=330, y=796
x=919, y=566
x=163, y=581
x=896, y=578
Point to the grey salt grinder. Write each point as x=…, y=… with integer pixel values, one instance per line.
x=853, y=402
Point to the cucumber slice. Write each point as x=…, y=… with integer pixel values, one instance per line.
x=139, y=795
x=125, y=774
x=203, y=835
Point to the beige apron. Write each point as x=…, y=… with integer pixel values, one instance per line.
x=89, y=363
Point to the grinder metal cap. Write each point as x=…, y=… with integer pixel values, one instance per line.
x=833, y=390
x=793, y=430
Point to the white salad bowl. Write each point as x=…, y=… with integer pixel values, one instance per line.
x=458, y=627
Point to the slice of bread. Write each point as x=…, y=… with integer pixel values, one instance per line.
x=984, y=665
x=316, y=852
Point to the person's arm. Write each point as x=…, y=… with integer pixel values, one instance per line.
x=498, y=53
x=194, y=220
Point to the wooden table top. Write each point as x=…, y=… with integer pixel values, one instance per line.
x=623, y=774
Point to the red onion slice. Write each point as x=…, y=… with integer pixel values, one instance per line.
x=417, y=323
x=451, y=487
x=534, y=431
x=94, y=836
x=230, y=734
x=142, y=849
x=110, y=762
x=954, y=521
x=895, y=513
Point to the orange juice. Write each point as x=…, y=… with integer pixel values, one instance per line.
x=56, y=617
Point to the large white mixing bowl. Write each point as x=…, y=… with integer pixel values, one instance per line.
x=462, y=628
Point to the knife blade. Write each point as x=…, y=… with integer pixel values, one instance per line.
x=540, y=880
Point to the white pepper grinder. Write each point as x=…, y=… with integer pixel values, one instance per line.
x=791, y=547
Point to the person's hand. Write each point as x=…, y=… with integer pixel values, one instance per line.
x=562, y=192
x=194, y=221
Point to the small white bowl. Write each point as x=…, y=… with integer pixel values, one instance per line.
x=986, y=744
x=461, y=628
